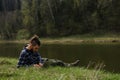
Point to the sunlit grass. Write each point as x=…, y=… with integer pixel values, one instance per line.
x=8, y=71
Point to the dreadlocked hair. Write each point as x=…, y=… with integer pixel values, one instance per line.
x=35, y=40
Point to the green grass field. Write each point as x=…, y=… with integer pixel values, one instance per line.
x=8, y=71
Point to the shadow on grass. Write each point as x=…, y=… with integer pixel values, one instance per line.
x=8, y=75
x=5, y=62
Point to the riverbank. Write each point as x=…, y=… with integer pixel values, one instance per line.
x=8, y=71
x=71, y=40
x=77, y=40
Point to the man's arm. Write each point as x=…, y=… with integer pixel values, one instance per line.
x=40, y=62
x=22, y=59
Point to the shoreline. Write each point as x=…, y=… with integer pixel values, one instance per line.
x=69, y=40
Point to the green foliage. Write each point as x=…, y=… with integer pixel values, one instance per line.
x=23, y=34
x=51, y=18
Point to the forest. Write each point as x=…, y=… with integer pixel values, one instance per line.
x=20, y=19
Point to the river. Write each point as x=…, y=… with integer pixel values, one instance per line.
x=88, y=53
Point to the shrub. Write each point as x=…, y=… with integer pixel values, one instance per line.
x=23, y=34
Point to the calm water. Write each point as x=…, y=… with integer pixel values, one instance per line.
x=109, y=54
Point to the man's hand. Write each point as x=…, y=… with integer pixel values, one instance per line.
x=38, y=65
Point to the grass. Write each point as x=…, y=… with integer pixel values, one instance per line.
x=8, y=71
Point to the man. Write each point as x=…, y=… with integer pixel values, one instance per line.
x=29, y=56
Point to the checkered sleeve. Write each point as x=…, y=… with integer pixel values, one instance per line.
x=40, y=59
x=22, y=59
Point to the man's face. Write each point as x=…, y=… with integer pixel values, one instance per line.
x=35, y=48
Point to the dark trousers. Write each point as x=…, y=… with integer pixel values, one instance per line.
x=54, y=62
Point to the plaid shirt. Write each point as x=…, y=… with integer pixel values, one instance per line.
x=28, y=58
